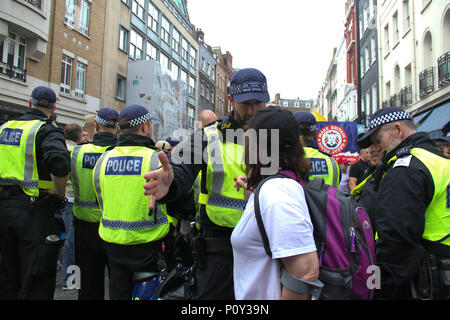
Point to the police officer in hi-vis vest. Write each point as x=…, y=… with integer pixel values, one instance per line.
x=412, y=209
x=217, y=152
x=137, y=239
x=90, y=252
x=322, y=164
x=34, y=169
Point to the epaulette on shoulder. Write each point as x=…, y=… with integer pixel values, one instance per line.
x=224, y=125
x=403, y=152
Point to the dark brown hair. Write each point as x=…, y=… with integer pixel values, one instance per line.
x=292, y=160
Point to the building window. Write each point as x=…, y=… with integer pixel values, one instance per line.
x=121, y=85
x=151, y=52
x=367, y=58
x=126, y=2
x=164, y=61
x=35, y=3
x=123, y=39
x=165, y=27
x=183, y=76
x=175, y=40
x=191, y=117
x=153, y=15
x=395, y=26
x=373, y=45
x=387, y=44
x=191, y=86
x=69, y=18
x=66, y=74
x=80, y=82
x=192, y=57
x=138, y=8
x=406, y=15
x=184, y=49
x=85, y=10
x=174, y=71
x=136, y=46
x=13, y=57
x=374, y=98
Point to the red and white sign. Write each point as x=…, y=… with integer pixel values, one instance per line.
x=332, y=139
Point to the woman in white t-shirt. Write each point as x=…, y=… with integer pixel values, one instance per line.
x=283, y=209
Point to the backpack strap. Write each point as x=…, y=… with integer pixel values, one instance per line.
x=258, y=216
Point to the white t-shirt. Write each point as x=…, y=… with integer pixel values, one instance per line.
x=290, y=232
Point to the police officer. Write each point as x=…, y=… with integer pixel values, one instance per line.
x=90, y=252
x=412, y=209
x=322, y=164
x=135, y=237
x=34, y=169
x=216, y=151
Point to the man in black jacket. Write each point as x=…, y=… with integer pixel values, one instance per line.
x=410, y=205
x=30, y=236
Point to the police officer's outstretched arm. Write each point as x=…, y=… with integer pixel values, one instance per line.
x=159, y=181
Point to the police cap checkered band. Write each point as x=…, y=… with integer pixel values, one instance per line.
x=135, y=115
x=389, y=117
x=43, y=97
x=105, y=116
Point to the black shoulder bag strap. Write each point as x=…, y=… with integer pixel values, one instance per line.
x=258, y=216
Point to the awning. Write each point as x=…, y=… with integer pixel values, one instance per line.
x=437, y=119
x=419, y=118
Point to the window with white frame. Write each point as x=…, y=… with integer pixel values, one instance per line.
x=192, y=57
x=123, y=39
x=176, y=40
x=136, y=45
x=66, y=74
x=174, y=71
x=373, y=46
x=153, y=15
x=80, y=80
x=85, y=9
x=396, y=29
x=150, y=54
x=165, y=27
x=367, y=58
x=13, y=54
x=374, y=98
x=406, y=15
x=69, y=17
x=184, y=49
x=387, y=43
x=138, y=8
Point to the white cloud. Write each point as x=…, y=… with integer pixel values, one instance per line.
x=290, y=41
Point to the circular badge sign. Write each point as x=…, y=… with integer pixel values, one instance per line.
x=332, y=139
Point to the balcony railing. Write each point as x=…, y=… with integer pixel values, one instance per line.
x=394, y=101
x=444, y=70
x=426, y=82
x=36, y=3
x=13, y=72
x=406, y=96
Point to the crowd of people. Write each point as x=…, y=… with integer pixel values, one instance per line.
x=120, y=202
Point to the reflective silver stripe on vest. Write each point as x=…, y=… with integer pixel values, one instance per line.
x=86, y=204
x=29, y=150
x=224, y=202
x=74, y=173
x=134, y=225
x=21, y=183
x=335, y=172
x=97, y=171
x=215, y=156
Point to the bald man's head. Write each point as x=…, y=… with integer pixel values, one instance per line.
x=206, y=117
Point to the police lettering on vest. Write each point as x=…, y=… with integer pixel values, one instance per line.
x=318, y=166
x=90, y=159
x=11, y=137
x=124, y=166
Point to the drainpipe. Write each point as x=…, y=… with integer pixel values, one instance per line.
x=51, y=41
x=358, y=62
x=414, y=47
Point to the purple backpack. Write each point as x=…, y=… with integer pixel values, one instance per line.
x=343, y=237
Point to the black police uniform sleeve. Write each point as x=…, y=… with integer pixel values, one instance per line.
x=186, y=165
x=52, y=147
x=403, y=197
